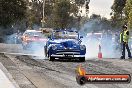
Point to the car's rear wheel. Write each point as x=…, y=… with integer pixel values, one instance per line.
x=82, y=59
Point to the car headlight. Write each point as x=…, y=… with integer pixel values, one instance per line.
x=82, y=47
x=74, y=46
x=54, y=47
x=61, y=46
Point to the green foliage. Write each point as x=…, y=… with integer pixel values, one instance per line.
x=117, y=14
x=118, y=6
x=36, y=10
x=80, y=2
x=58, y=13
x=63, y=12
x=128, y=12
x=95, y=16
x=11, y=11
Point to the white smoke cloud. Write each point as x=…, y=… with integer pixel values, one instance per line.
x=109, y=46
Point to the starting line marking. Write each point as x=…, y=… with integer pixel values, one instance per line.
x=4, y=81
x=22, y=54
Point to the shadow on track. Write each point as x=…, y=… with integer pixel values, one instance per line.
x=67, y=60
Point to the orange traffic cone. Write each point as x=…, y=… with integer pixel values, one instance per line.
x=99, y=53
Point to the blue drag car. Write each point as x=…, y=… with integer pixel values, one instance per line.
x=65, y=44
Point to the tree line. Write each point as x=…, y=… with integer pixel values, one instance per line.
x=57, y=13
x=122, y=13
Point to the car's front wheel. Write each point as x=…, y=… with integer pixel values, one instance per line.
x=51, y=58
x=82, y=59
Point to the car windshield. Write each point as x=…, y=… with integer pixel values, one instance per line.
x=34, y=34
x=65, y=35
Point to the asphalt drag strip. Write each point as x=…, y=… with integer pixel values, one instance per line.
x=64, y=72
x=41, y=73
